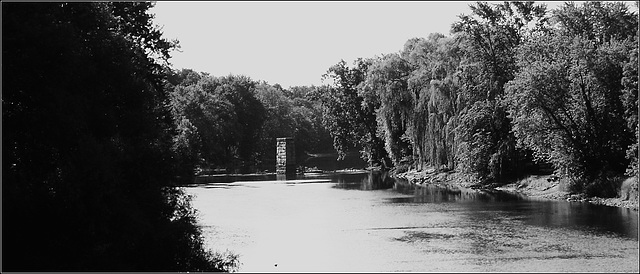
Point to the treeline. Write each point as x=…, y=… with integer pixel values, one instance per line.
x=88, y=155
x=98, y=129
x=232, y=122
x=514, y=87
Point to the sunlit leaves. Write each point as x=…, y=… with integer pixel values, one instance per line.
x=596, y=21
x=223, y=114
x=350, y=118
x=565, y=104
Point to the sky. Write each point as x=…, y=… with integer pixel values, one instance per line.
x=294, y=43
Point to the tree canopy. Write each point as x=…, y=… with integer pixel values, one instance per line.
x=514, y=88
x=87, y=159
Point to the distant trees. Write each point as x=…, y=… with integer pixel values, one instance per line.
x=232, y=122
x=291, y=113
x=87, y=144
x=217, y=118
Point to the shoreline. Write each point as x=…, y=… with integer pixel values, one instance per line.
x=533, y=186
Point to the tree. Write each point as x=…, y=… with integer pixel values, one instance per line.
x=490, y=37
x=218, y=119
x=565, y=105
x=87, y=143
x=629, y=99
x=600, y=23
x=386, y=85
x=310, y=135
x=278, y=123
x=434, y=82
x=206, y=123
x=291, y=113
x=350, y=121
x=596, y=21
x=240, y=91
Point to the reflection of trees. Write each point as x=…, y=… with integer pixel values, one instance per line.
x=377, y=180
x=499, y=227
x=442, y=193
x=372, y=180
x=584, y=216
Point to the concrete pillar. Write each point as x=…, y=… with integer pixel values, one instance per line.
x=285, y=158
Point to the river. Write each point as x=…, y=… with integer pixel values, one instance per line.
x=369, y=222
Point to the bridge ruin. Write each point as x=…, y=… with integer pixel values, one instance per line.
x=285, y=158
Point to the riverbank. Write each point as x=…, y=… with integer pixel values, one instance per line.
x=534, y=186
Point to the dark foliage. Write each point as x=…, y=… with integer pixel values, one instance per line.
x=87, y=161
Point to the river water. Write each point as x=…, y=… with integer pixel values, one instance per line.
x=369, y=222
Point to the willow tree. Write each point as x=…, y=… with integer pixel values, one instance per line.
x=434, y=81
x=386, y=84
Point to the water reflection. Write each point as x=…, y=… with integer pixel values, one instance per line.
x=284, y=177
x=585, y=216
x=230, y=178
x=368, y=222
x=483, y=205
x=372, y=180
x=479, y=205
x=443, y=193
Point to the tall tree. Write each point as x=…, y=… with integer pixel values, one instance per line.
x=387, y=79
x=350, y=121
x=87, y=169
x=491, y=35
x=206, y=123
x=434, y=81
x=566, y=99
x=240, y=91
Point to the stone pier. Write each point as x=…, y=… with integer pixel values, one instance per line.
x=285, y=158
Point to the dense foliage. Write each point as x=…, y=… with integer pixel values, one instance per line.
x=568, y=100
x=231, y=123
x=216, y=119
x=350, y=118
x=98, y=129
x=513, y=89
x=87, y=164
x=291, y=113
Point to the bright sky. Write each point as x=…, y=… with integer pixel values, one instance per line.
x=294, y=43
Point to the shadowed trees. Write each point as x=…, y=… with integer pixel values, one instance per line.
x=87, y=158
x=217, y=118
x=350, y=119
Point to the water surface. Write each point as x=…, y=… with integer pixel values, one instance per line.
x=371, y=222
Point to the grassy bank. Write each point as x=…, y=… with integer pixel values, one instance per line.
x=535, y=186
